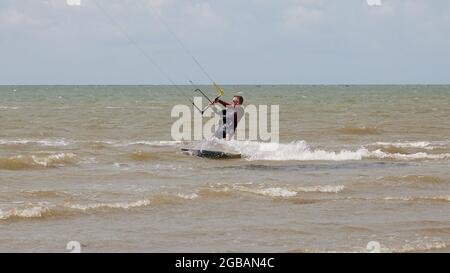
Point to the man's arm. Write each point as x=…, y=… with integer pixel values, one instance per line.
x=224, y=103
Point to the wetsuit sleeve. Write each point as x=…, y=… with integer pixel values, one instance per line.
x=224, y=103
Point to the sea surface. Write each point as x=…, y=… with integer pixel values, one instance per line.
x=97, y=165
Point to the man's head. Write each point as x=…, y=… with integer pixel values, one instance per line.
x=238, y=100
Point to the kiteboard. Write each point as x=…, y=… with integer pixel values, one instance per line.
x=210, y=154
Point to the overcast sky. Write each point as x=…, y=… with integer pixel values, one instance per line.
x=236, y=41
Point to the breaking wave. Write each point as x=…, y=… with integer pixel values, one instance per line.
x=189, y=196
x=31, y=211
x=418, y=144
x=297, y=150
x=40, y=142
x=40, y=211
x=116, y=205
x=274, y=191
x=301, y=151
x=378, y=154
x=70, y=207
x=22, y=162
x=250, y=150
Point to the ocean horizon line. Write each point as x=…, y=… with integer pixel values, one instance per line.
x=239, y=84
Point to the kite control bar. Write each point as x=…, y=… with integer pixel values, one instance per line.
x=211, y=102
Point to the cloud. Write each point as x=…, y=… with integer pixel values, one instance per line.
x=28, y=15
x=74, y=2
x=374, y=2
x=156, y=6
x=238, y=41
x=203, y=19
x=303, y=14
x=13, y=17
x=57, y=20
x=408, y=8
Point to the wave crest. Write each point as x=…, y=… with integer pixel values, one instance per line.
x=301, y=151
x=36, y=211
x=274, y=191
x=441, y=198
x=296, y=150
x=116, y=205
x=22, y=162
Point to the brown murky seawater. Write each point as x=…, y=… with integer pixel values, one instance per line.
x=97, y=164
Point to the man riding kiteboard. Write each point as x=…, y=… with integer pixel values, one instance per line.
x=231, y=116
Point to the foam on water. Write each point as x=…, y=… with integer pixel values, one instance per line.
x=115, y=205
x=54, y=160
x=41, y=142
x=417, y=144
x=296, y=150
x=444, y=198
x=301, y=151
x=45, y=209
x=188, y=196
x=322, y=189
x=284, y=191
x=378, y=154
x=272, y=192
x=42, y=210
x=35, y=211
x=25, y=162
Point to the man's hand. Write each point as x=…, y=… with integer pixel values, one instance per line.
x=216, y=100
